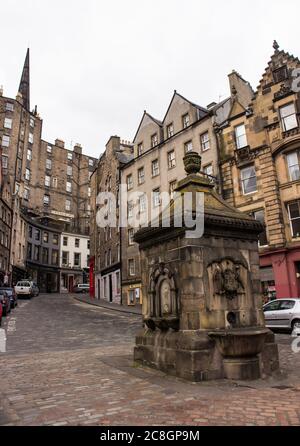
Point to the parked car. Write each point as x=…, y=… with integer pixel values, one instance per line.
x=283, y=314
x=26, y=288
x=82, y=288
x=12, y=296
x=5, y=303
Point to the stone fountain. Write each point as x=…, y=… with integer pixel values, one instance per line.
x=202, y=306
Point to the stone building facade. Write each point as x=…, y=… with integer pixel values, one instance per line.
x=74, y=260
x=43, y=255
x=6, y=219
x=260, y=164
x=50, y=180
x=159, y=148
x=106, y=241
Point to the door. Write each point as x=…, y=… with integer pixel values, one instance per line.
x=285, y=313
x=99, y=284
x=110, y=288
x=71, y=284
x=270, y=311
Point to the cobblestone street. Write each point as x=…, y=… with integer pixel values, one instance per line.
x=71, y=363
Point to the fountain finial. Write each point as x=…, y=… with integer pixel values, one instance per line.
x=192, y=163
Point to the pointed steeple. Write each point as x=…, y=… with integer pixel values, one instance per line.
x=24, y=87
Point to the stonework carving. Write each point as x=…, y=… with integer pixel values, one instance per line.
x=163, y=300
x=226, y=278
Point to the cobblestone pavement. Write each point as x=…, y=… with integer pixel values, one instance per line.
x=71, y=363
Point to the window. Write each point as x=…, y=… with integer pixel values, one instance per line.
x=37, y=235
x=131, y=296
x=240, y=136
x=140, y=149
x=88, y=244
x=29, y=251
x=171, y=159
x=130, y=236
x=69, y=171
x=172, y=187
x=131, y=267
x=205, y=144
x=54, y=182
x=37, y=252
x=7, y=123
x=49, y=148
x=294, y=216
x=154, y=140
x=9, y=106
x=29, y=155
x=48, y=164
x=26, y=193
x=5, y=141
x=30, y=138
x=47, y=181
x=45, y=255
x=46, y=237
x=272, y=306
x=31, y=122
x=68, y=205
x=77, y=243
x=89, y=192
x=288, y=117
x=142, y=203
x=109, y=257
x=55, y=239
x=91, y=162
x=185, y=120
x=27, y=174
x=70, y=156
x=248, y=177
x=293, y=166
x=170, y=130
x=155, y=168
x=260, y=216
x=118, y=282
x=46, y=200
x=65, y=258
x=4, y=162
x=156, y=197
x=65, y=241
x=141, y=175
x=130, y=209
x=188, y=146
x=208, y=170
x=54, y=257
x=69, y=186
x=129, y=181
x=77, y=260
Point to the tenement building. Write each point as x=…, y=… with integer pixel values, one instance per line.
x=106, y=238
x=51, y=180
x=74, y=260
x=260, y=165
x=6, y=219
x=159, y=148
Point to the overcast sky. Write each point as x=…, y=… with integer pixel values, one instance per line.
x=97, y=65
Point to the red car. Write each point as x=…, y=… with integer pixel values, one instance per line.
x=5, y=302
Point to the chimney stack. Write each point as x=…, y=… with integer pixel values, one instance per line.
x=60, y=143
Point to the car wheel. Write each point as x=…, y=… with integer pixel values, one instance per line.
x=296, y=324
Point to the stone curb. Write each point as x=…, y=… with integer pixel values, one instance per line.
x=107, y=307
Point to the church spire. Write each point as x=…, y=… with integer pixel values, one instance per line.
x=24, y=87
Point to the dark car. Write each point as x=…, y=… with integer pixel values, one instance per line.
x=5, y=302
x=12, y=296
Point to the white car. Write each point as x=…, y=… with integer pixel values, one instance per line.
x=26, y=288
x=282, y=314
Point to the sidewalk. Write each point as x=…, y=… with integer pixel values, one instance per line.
x=110, y=306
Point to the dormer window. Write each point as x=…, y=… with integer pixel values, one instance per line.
x=240, y=136
x=154, y=140
x=185, y=120
x=288, y=117
x=170, y=130
x=140, y=149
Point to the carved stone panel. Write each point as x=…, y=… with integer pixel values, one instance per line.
x=226, y=278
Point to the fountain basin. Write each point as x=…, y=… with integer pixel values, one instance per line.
x=239, y=348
